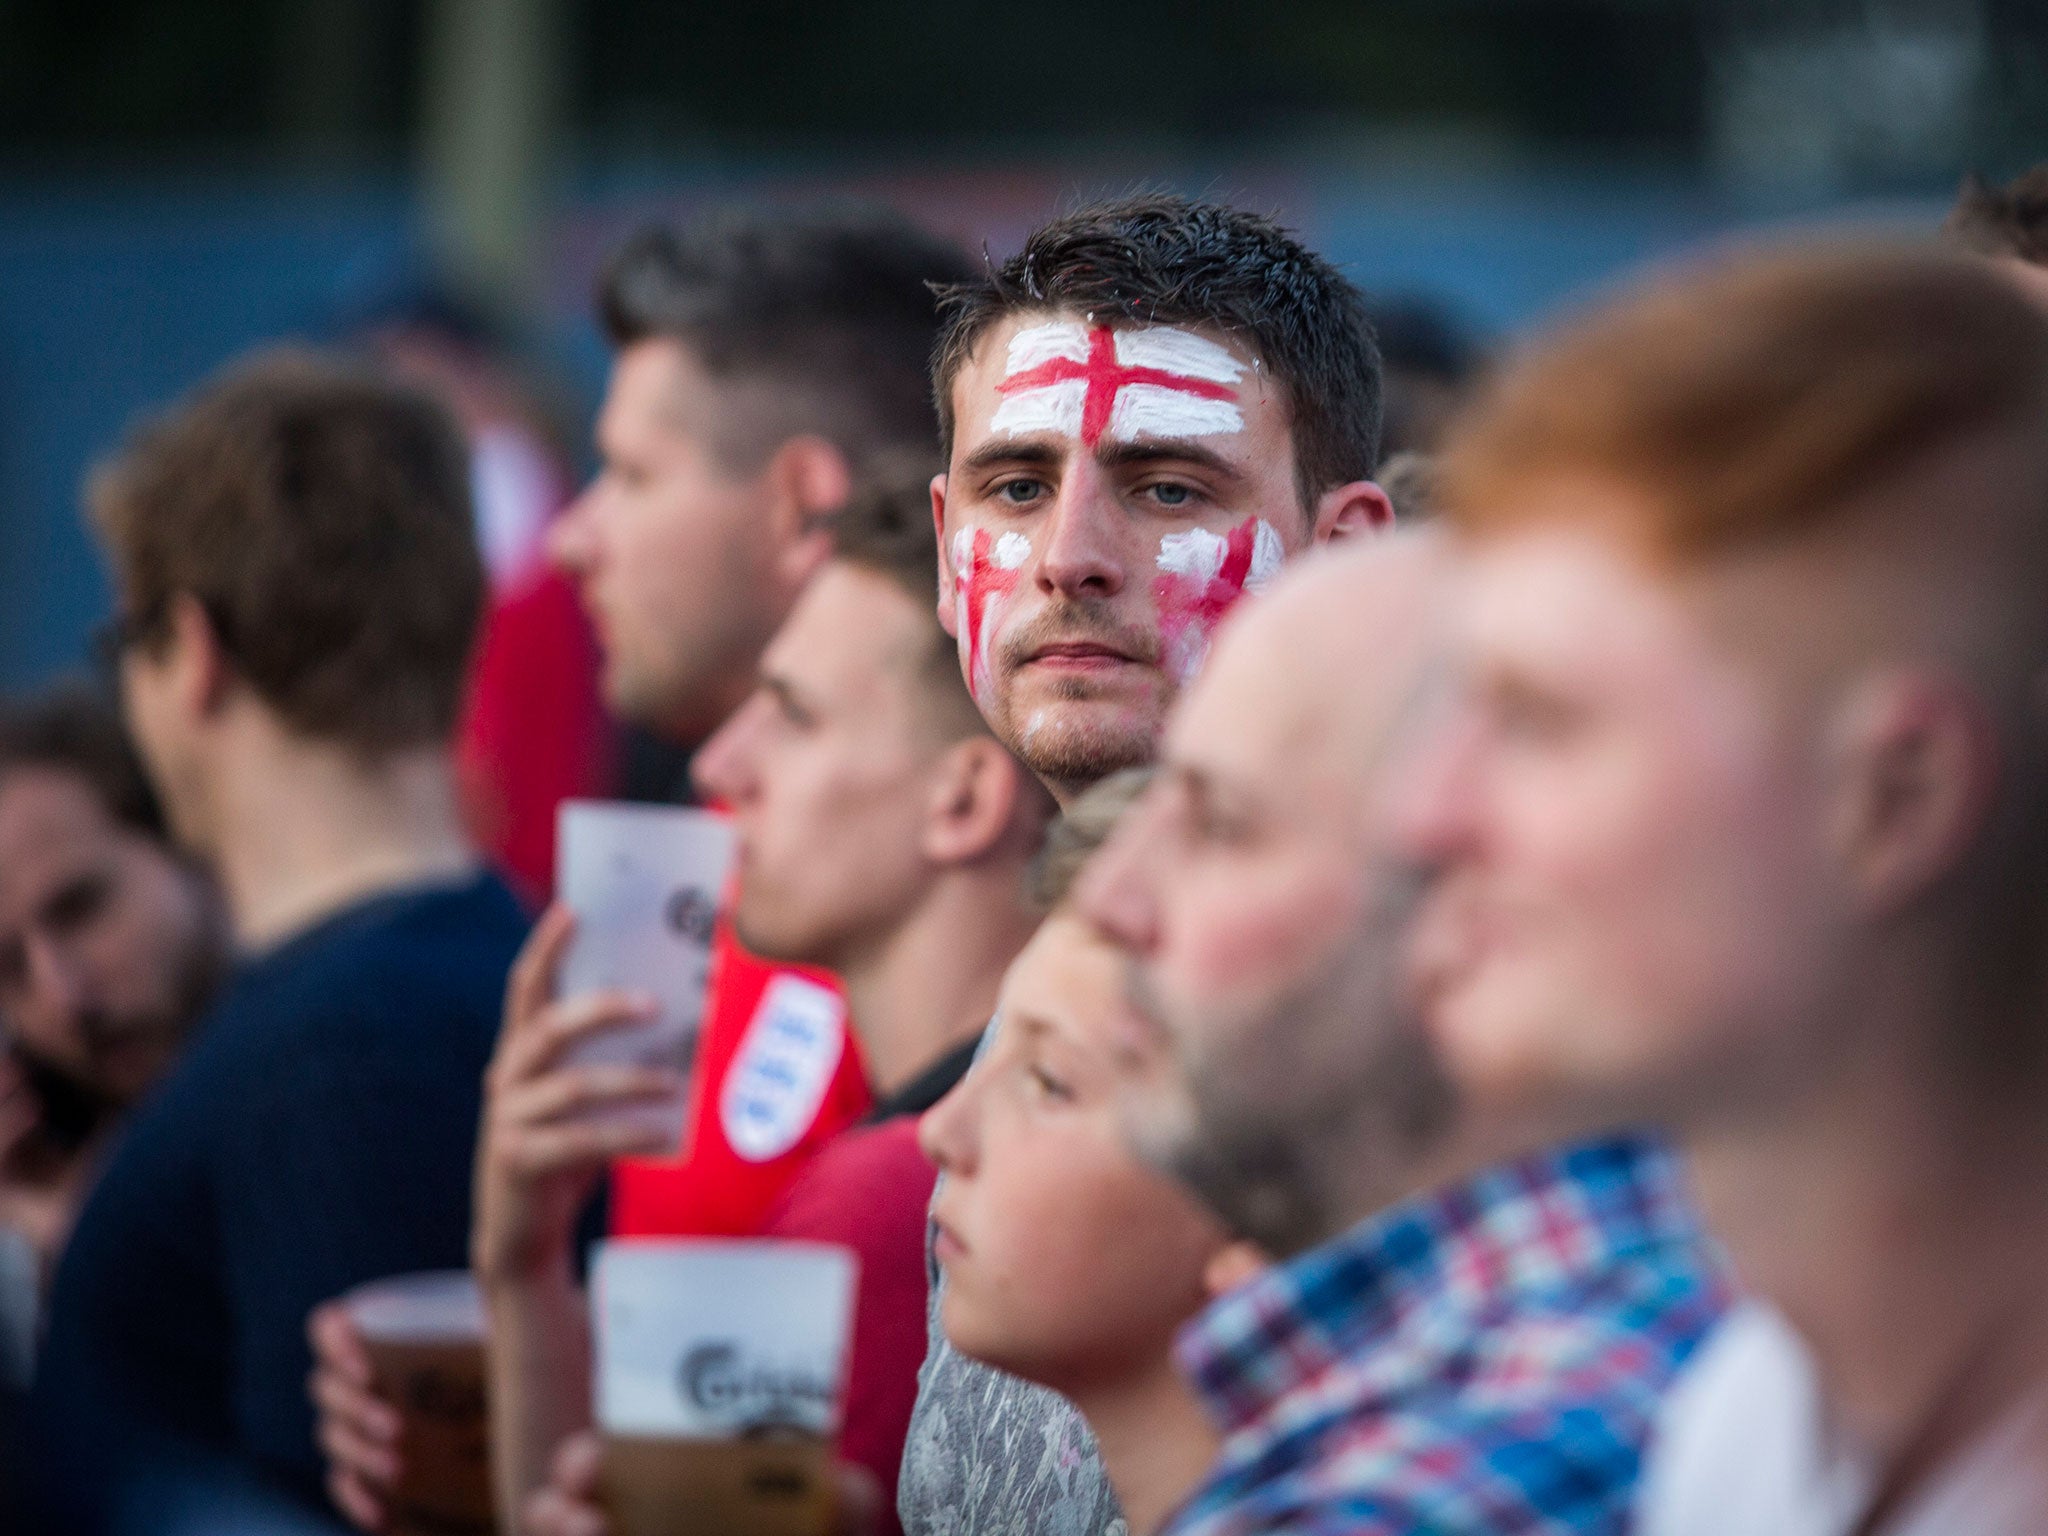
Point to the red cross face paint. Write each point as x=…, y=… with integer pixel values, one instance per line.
x=1201, y=577
x=985, y=577
x=1090, y=382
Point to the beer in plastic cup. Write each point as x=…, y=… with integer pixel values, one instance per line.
x=644, y=882
x=721, y=1372
x=424, y=1335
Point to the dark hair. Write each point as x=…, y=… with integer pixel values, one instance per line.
x=886, y=527
x=2011, y=220
x=75, y=729
x=320, y=516
x=1165, y=260
x=832, y=309
x=1082, y=829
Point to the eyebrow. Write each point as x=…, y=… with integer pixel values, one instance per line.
x=1166, y=450
x=1034, y=452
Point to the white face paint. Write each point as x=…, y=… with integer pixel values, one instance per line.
x=1088, y=382
x=1201, y=577
x=984, y=576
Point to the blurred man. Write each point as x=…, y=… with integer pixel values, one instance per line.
x=1742, y=820
x=1146, y=411
x=299, y=588
x=1453, y=1342
x=110, y=944
x=762, y=362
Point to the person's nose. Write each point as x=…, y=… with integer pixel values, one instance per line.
x=1434, y=797
x=945, y=1132
x=55, y=977
x=723, y=768
x=1081, y=541
x=1118, y=890
x=571, y=546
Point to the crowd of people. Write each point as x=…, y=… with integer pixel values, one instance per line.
x=1502, y=989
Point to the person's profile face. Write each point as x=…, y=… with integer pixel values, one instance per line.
x=824, y=769
x=1067, y=1260
x=665, y=544
x=1111, y=494
x=107, y=941
x=1632, y=893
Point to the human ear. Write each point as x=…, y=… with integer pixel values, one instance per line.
x=948, y=578
x=975, y=787
x=809, y=481
x=1916, y=766
x=1351, y=510
x=191, y=654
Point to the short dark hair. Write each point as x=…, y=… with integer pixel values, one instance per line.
x=2011, y=220
x=832, y=308
x=1166, y=260
x=320, y=515
x=886, y=528
x=75, y=729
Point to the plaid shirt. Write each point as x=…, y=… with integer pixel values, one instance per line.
x=1485, y=1359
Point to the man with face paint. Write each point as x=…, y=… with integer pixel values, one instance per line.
x=1457, y=1336
x=1741, y=820
x=1145, y=412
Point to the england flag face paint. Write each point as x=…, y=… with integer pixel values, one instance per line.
x=1201, y=577
x=985, y=570
x=1090, y=382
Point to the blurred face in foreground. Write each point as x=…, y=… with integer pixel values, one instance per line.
x=1639, y=892
x=1068, y=1262
x=109, y=944
x=1272, y=1063
x=1112, y=494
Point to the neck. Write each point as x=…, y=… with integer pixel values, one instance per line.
x=930, y=982
x=1157, y=1442
x=1893, y=1215
x=302, y=830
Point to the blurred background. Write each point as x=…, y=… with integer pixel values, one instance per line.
x=180, y=179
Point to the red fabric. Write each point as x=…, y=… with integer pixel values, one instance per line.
x=534, y=731
x=869, y=1191
x=711, y=1190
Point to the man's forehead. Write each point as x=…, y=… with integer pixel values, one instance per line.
x=1066, y=374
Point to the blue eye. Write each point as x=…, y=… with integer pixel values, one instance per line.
x=1170, y=495
x=1018, y=492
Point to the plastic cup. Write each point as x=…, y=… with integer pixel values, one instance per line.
x=721, y=1373
x=424, y=1335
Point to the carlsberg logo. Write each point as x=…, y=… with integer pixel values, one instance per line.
x=724, y=1385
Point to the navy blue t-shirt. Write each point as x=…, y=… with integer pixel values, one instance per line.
x=319, y=1133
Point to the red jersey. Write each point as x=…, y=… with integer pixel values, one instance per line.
x=778, y=1076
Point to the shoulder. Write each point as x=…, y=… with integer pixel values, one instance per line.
x=868, y=1187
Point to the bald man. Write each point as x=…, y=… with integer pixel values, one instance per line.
x=1743, y=832
x=1451, y=1342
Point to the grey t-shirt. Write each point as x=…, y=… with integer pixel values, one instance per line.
x=990, y=1455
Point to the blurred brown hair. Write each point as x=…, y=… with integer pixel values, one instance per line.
x=321, y=517
x=1753, y=400
x=2011, y=220
x=1080, y=830
x=74, y=729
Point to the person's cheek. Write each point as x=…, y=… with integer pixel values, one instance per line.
x=987, y=569
x=1200, y=577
